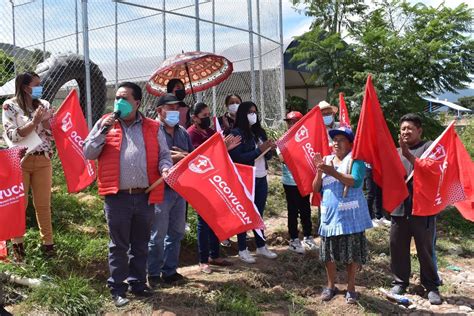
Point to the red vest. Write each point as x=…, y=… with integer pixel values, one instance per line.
x=109, y=160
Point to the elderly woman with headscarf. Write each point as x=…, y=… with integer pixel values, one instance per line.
x=344, y=212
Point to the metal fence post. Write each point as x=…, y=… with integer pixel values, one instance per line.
x=214, y=95
x=85, y=38
x=260, y=64
x=116, y=46
x=198, y=41
x=252, y=62
x=164, y=29
x=282, y=65
x=13, y=34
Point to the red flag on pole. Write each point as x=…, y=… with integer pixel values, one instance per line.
x=69, y=130
x=247, y=174
x=343, y=113
x=444, y=175
x=12, y=194
x=208, y=179
x=217, y=126
x=374, y=144
x=299, y=145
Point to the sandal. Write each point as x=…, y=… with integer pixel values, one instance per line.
x=328, y=294
x=351, y=297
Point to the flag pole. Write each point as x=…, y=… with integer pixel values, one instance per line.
x=154, y=185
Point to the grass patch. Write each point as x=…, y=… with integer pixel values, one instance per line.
x=73, y=296
x=276, y=200
x=236, y=301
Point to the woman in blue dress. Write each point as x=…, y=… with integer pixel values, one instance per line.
x=344, y=212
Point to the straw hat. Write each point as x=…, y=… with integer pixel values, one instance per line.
x=324, y=105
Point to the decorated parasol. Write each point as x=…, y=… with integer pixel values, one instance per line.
x=198, y=70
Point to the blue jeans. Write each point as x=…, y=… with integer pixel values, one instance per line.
x=208, y=244
x=261, y=192
x=166, y=233
x=129, y=220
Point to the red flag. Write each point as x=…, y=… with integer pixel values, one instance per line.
x=69, y=130
x=299, y=145
x=374, y=145
x=443, y=176
x=247, y=174
x=208, y=179
x=343, y=113
x=217, y=126
x=12, y=194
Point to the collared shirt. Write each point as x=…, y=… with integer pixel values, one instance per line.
x=14, y=118
x=133, y=166
x=180, y=138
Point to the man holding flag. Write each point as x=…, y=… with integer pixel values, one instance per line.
x=405, y=225
x=132, y=154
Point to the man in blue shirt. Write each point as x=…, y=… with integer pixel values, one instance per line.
x=170, y=216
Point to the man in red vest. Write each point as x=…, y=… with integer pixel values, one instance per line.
x=132, y=154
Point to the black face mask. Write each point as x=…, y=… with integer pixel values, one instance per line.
x=205, y=123
x=180, y=94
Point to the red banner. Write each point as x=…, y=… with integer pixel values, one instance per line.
x=344, y=119
x=443, y=176
x=207, y=178
x=12, y=194
x=374, y=144
x=247, y=175
x=69, y=130
x=299, y=145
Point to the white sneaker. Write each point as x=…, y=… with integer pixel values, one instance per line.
x=375, y=222
x=246, y=257
x=309, y=243
x=385, y=222
x=296, y=246
x=263, y=251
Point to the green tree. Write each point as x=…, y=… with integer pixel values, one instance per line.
x=6, y=68
x=467, y=102
x=411, y=50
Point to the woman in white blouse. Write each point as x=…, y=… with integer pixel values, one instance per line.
x=22, y=115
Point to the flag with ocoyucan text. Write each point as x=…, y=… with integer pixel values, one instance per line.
x=12, y=194
x=373, y=144
x=247, y=174
x=443, y=176
x=69, y=130
x=208, y=179
x=299, y=145
x=343, y=113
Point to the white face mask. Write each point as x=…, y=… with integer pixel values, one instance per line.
x=233, y=108
x=252, y=117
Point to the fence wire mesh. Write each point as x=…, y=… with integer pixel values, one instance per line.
x=129, y=39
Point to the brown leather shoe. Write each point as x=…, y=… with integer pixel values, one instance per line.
x=18, y=252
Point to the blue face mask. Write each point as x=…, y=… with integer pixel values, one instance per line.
x=172, y=118
x=328, y=119
x=124, y=107
x=36, y=92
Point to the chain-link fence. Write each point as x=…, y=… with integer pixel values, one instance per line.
x=126, y=40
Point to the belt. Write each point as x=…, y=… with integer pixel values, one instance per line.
x=133, y=191
x=38, y=153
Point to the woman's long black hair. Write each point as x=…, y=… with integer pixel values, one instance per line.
x=242, y=122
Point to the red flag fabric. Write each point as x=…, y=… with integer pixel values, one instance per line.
x=443, y=176
x=343, y=113
x=374, y=144
x=69, y=130
x=217, y=126
x=12, y=194
x=208, y=179
x=300, y=144
x=247, y=175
